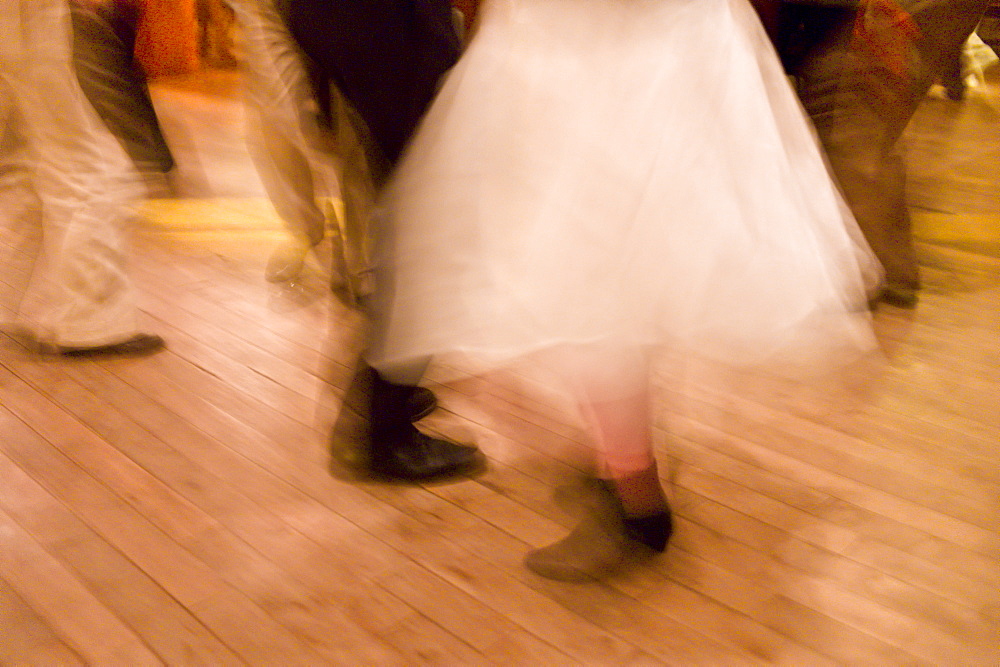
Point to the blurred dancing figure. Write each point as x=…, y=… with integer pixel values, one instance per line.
x=861, y=84
x=596, y=179
x=284, y=132
x=85, y=184
x=385, y=59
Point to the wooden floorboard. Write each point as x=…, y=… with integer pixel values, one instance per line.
x=181, y=509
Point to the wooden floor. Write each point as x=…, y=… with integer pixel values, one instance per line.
x=178, y=508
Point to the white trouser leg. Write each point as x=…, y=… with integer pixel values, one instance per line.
x=85, y=182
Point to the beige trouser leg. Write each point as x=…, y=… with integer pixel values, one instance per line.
x=361, y=174
x=283, y=130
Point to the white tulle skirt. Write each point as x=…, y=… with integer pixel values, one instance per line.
x=621, y=172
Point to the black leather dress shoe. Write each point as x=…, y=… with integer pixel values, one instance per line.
x=374, y=434
x=423, y=458
x=136, y=346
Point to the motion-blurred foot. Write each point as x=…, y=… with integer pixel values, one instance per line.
x=594, y=549
x=955, y=91
x=418, y=457
x=604, y=542
x=374, y=434
x=136, y=346
x=898, y=296
x=286, y=262
x=288, y=259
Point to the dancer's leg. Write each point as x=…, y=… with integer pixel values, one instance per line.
x=630, y=507
x=615, y=399
x=283, y=132
x=625, y=452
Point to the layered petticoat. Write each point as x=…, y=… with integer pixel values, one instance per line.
x=621, y=172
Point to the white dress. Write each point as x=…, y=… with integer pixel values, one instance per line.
x=623, y=172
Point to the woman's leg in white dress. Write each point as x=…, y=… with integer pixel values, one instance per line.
x=630, y=508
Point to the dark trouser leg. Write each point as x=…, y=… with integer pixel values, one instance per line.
x=874, y=184
x=860, y=113
x=951, y=74
x=385, y=57
x=945, y=25
x=103, y=57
